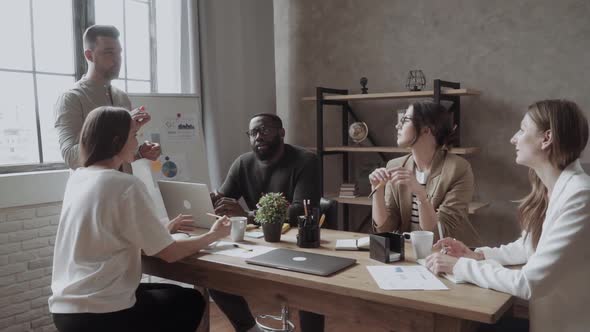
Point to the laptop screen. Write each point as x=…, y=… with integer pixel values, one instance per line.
x=188, y=198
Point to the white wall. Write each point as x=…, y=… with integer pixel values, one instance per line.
x=27, y=236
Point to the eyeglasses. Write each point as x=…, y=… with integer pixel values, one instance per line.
x=404, y=119
x=262, y=130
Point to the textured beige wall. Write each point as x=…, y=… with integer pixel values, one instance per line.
x=515, y=52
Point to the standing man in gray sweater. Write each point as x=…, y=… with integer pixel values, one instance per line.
x=102, y=51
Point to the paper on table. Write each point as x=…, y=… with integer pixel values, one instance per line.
x=254, y=234
x=447, y=276
x=242, y=251
x=397, y=277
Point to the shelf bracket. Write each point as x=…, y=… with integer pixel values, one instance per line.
x=455, y=106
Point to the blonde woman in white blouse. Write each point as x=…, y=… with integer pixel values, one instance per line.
x=555, y=218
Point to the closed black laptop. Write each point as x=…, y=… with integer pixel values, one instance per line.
x=300, y=261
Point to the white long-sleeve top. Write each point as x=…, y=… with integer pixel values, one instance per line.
x=556, y=277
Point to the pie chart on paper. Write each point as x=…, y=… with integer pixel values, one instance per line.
x=169, y=168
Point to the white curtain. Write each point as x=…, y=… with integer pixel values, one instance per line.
x=237, y=75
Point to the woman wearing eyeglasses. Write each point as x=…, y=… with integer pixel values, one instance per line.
x=555, y=219
x=428, y=186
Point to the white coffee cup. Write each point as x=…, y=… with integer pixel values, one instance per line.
x=422, y=242
x=238, y=227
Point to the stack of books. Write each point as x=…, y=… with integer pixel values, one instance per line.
x=348, y=190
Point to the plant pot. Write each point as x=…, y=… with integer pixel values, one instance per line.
x=272, y=231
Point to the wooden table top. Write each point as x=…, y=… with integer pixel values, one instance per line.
x=463, y=301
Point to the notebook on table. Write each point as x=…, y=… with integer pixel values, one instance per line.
x=353, y=244
x=300, y=261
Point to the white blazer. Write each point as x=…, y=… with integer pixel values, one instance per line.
x=556, y=277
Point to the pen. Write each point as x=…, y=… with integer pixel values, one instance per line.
x=213, y=215
x=238, y=246
x=322, y=218
x=376, y=188
x=440, y=235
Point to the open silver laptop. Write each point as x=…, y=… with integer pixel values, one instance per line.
x=301, y=261
x=187, y=198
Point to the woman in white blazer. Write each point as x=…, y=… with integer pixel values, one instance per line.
x=555, y=219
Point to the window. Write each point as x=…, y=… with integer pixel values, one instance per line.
x=35, y=66
x=151, y=35
x=43, y=57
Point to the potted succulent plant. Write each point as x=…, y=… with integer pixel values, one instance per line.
x=271, y=214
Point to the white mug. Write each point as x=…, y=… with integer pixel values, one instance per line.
x=238, y=227
x=422, y=242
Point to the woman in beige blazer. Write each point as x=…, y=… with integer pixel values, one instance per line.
x=428, y=186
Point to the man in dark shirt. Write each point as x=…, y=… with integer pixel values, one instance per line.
x=272, y=166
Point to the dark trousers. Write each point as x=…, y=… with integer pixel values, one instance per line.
x=506, y=324
x=159, y=307
x=238, y=312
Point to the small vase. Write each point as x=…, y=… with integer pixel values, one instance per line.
x=272, y=231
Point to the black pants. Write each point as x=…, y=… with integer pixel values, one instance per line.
x=237, y=311
x=506, y=324
x=159, y=307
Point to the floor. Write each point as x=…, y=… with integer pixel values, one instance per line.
x=219, y=322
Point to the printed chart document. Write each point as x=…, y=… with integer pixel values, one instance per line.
x=235, y=249
x=397, y=277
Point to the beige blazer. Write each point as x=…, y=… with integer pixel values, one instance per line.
x=449, y=188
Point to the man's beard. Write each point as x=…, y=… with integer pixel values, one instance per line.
x=112, y=74
x=272, y=149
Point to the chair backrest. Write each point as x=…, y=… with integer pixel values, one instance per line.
x=329, y=207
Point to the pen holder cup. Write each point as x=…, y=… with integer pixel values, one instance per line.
x=308, y=235
x=386, y=247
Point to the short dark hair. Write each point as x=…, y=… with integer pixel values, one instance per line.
x=431, y=115
x=104, y=134
x=275, y=118
x=95, y=31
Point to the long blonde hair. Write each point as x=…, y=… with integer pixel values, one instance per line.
x=569, y=133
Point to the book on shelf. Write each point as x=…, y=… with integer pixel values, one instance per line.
x=348, y=190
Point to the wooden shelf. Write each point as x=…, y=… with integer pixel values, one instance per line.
x=364, y=200
x=399, y=95
x=387, y=149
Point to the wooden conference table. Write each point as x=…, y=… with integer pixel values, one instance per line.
x=351, y=294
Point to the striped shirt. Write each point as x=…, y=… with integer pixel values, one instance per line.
x=421, y=178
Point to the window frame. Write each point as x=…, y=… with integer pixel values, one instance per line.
x=83, y=17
